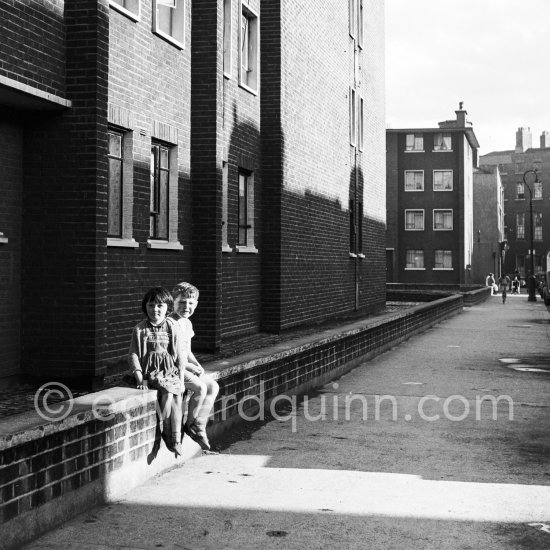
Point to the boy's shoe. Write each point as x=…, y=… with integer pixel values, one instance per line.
x=198, y=436
x=175, y=447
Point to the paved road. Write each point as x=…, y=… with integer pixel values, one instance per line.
x=434, y=465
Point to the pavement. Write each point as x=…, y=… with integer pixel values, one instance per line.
x=439, y=443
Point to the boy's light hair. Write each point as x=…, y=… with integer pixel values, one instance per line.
x=187, y=290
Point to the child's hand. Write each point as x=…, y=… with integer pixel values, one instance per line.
x=143, y=385
x=197, y=370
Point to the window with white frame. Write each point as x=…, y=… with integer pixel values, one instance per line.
x=443, y=259
x=520, y=226
x=352, y=117
x=537, y=190
x=352, y=19
x=520, y=191
x=159, y=192
x=414, y=259
x=245, y=215
x=360, y=24
x=414, y=142
x=227, y=42
x=120, y=187
x=443, y=180
x=538, y=226
x=249, y=45
x=131, y=8
x=355, y=227
x=225, y=206
x=169, y=21
x=414, y=220
x=414, y=180
x=360, y=124
x=442, y=141
x=443, y=220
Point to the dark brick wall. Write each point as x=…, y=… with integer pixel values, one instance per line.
x=64, y=214
x=11, y=167
x=150, y=80
x=32, y=44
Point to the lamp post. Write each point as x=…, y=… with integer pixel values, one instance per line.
x=531, y=283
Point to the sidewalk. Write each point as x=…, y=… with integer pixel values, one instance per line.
x=427, y=468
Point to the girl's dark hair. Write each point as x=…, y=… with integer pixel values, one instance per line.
x=158, y=295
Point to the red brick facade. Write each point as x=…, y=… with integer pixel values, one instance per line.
x=306, y=242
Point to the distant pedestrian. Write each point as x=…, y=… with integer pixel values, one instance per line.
x=490, y=282
x=155, y=361
x=503, y=287
x=515, y=286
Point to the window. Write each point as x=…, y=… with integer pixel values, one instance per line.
x=538, y=226
x=360, y=131
x=414, y=142
x=360, y=26
x=131, y=8
x=414, y=259
x=520, y=265
x=537, y=190
x=352, y=117
x=414, y=220
x=443, y=259
x=520, y=191
x=520, y=226
x=169, y=20
x=245, y=238
x=248, y=73
x=443, y=180
x=442, y=141
x=443, y=220
x=355, y=227
x=414, y=180
x=120, y=188
x=227, y=27
x=352, y=19
x=114, y=208
x=225, y=206
x=160, y=172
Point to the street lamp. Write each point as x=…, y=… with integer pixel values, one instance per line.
x=531, y=283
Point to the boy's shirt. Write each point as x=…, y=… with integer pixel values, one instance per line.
x=186, y=332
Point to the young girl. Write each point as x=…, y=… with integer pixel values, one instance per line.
x=155, y=360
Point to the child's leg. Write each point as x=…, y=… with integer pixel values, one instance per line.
x=194, y=384
x=165, y=410
x=212, y=389
x=175, y=417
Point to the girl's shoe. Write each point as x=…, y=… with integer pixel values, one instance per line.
x=198, y=436
x=175, y=447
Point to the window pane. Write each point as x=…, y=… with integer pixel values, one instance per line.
x=114, y=209
x=243, y=183
x=414, y=259
x=443, y=180
x=162, y=226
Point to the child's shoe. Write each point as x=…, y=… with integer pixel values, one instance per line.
x=198, y=436
x=175, y=447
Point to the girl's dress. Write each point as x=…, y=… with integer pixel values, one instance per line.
x=154, y=350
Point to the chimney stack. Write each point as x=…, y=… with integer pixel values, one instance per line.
x=461, y=116
x=544, y=140
x=523, y=140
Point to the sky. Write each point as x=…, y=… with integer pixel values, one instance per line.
x=493, y=55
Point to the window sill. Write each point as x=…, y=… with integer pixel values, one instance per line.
x=247, y=88
x=435, y=229
x=246, y=249
x=122, y=243
x=441, y=190
x=352, y=255
x=415, y=269
x=415, y=151
x=442, y=151
x=227, y=75
x=414, y=229
x=361, y=256
x=129, y=14
x=226, y=248
x=443, y=269
x=169, y=39
x=164, y=245
x=414, y=190
x=3, y=240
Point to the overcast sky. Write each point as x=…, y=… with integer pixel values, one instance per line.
x=494, y=55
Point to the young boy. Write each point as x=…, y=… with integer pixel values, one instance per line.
x=204, y=387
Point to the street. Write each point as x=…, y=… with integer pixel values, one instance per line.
x=439, y=443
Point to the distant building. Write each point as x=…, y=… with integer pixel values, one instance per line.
x=490, y=247
x=429, y=202
x=513, y=164
x=236, y=145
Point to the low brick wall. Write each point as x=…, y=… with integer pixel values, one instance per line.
x=400, y=292
x=102, y=449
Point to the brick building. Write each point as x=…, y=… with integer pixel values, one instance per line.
x=429, y=197
x=238, y=145
x=513, y=164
